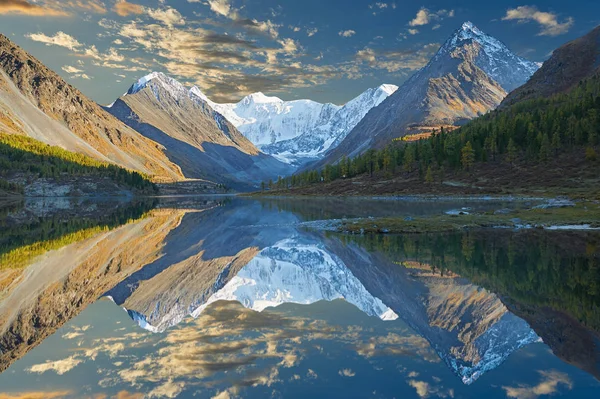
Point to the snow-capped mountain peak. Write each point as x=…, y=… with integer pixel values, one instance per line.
x=469, y=32
x=494, y=57
x=198, y=93
x=260, y=98
x=388, y=89
x=158, y=79
x=301, y=130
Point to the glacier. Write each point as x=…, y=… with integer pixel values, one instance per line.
x=297, y=131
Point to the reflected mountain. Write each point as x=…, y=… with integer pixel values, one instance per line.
x=473, y=299
x=548, y=279
x=260, y=257
x=43, y=284
x=468, y=326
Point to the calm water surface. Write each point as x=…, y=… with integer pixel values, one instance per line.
x=228, y=297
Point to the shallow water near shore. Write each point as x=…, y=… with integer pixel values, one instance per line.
x=239, y=297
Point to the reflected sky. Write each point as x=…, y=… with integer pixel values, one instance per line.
x=328, y=348
x=238, y=298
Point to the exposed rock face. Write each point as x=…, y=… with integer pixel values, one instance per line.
x=38, y=103
x=568, y=65
x=200, y=257
x=37, y=300
x=195, y=136
x=468, y=326
x=469, y=76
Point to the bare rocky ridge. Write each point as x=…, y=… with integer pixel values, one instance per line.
x=38, y=103
x=38, y=300
x=568, y=65
x=196, y=137
x=469, y=76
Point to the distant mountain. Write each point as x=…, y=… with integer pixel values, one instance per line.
x=297, y=270
x=469, y=76
x=36, y=102
x=196, y=137
x=568, y=65
x=297, y=131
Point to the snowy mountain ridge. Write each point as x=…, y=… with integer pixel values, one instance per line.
x=300, y=130
x=495, y=58
x=294, y=132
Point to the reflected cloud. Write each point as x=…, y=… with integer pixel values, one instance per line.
x=426, y=390
x=346, y=373
x=550, y=382
x=59, y=366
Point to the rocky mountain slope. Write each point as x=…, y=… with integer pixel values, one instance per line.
x=36, y=102
x=469, y=76
x=568, y=65
x=196, y=137
x=37, y=300
x=298, y=131
x=470, y=328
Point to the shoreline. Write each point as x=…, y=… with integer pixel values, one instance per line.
x=581, y=216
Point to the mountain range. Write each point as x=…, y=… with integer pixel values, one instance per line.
x=298, y=131
x=196, y=137
x=170, y=132
x=36, y=102
x=469, y=76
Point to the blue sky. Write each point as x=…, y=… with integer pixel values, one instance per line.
x=326, y=50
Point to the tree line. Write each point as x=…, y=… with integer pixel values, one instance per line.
x=24, y=154
x=557, y=270
x=531, y=131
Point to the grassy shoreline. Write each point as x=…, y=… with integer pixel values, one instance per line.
x=584, y=213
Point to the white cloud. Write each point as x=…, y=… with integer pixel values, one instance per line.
x=425, y=16
x=347, y=373
x=548, y=21
x=71, y=69
x=394, y=61
x=222, y=7
x=168, y=16
x=347, y=33
x=379, y=7
x=59, y=39
x=123, y=8
x=311, y=31
x=548, y=386
x=58, y=366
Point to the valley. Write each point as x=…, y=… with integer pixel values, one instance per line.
x=299, y=200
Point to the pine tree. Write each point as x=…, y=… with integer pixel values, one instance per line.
x=511, y=155
x=409, y=159
x=544, y=148
x=556, y=143
x=429, y=175
x=467, y=156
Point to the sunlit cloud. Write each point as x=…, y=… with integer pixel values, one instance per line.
x=347, y=33
x=36, y=395
x=394, y=61
x=549, y=385
x=347, y=373
x=60, y=367
x=59, y=39
x=168, y=16
x=24, y=7
x=124, y=8
x=550, y=26
x=425, y=16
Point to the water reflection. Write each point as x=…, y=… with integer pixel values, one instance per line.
x=237, y=298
